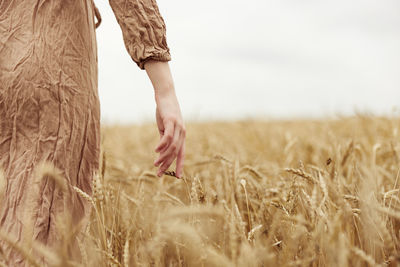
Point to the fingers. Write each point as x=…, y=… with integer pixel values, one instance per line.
x=167, y=152
x=167, y=137
x=170, y=152
x=170, y=157
x=179, y=160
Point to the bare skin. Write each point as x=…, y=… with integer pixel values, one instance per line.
x=168, y=116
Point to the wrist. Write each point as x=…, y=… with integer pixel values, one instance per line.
x=164, y=92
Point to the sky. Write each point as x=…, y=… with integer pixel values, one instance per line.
x=261, y=59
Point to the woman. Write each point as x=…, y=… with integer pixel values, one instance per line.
x=50, y=111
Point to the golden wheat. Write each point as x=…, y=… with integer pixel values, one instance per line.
x=253, y=193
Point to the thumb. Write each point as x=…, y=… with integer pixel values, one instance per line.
x=160, y=124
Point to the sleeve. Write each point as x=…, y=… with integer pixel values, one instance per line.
x=143, y=30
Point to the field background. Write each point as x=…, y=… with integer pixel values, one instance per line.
x=254, y=193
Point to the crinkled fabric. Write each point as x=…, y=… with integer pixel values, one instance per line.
x=50, y=110
x=143, y=29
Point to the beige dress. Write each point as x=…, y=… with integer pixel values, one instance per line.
x=49, y=106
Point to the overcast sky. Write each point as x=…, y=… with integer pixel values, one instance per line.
x=236, y=59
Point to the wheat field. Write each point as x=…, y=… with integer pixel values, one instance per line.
x=253, y=193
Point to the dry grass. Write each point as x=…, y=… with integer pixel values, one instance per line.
x=279, y=193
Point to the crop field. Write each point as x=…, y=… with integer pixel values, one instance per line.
x=253, y=193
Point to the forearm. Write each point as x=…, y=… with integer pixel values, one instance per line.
x=160, y=76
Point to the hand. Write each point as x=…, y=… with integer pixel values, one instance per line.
x=168, y=116
x=172, y=134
